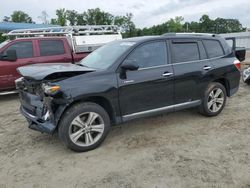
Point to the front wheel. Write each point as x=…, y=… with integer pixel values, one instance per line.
x=84, y=126
x=214, y=100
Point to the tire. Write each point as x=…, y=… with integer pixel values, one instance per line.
x=84, y=126
x=211, y=104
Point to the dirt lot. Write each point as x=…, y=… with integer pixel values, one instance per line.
x=182, y=149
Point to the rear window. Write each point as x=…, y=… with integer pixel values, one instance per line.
x=185, y=51
x=51, y=47
x=213, y=48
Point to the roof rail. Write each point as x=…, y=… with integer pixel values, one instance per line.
x=193, y=34
x=66, y=30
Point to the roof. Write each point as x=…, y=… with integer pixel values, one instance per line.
x=173, y=36
x=8, y=26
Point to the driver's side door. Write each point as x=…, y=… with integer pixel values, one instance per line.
x=151, y=87
x=25, y=56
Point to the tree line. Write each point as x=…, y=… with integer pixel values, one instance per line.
x=99, y=17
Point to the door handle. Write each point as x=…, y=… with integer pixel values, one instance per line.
x=207, y=68
x=166, y=74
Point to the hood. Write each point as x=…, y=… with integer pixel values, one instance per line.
x=52, y=70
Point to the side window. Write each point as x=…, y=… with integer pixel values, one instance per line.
x=51, y=47
x=184, y=51
x=150, y=55
x=23, y=49
x=213, y=48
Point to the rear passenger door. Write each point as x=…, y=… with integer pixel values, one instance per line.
x=191, y=69
x=53, y=51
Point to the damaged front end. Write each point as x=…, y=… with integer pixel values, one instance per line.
x=42, y=99
x=41, y=104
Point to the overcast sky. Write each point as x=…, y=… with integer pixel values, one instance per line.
x=146, y=12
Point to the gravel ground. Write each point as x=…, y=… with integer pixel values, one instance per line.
x=181, y=149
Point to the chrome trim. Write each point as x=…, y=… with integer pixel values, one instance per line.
x=201, y=60
x=160, y=109
x=167, y=74
x=28, y=114
x=8, y=92
x=128, y=81
x=155, y=67
x=184, y=62
x=207, y=68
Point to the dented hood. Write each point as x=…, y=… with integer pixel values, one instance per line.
x=49, y=70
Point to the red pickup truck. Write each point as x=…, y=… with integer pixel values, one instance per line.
x=25, y=51
x=49, y=45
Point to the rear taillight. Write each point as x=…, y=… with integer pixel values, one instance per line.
x=237, y=64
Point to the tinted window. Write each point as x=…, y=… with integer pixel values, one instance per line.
x=187, y=51
x=150, y=55
x=106, y=55
x=23, y=49
x=213, y=48
x=51, y=47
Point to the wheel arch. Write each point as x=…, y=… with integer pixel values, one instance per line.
x=102, y=101
x=225, y=83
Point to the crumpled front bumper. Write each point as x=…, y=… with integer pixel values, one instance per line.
x=36, y=112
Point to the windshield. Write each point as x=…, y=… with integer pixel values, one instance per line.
x=106, y=55
x=4, y=43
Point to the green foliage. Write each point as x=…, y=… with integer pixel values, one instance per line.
x=61, y=16
x=71, y=16
x=6, y=19
x=2, y=38
x=99, y=17
x=21, y=17
x=205, y=25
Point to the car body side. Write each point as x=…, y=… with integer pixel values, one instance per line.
x=105, y=87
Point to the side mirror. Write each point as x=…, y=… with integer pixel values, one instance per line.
x=130, y=65
x=11, y=55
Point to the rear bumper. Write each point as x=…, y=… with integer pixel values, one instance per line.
x=37, y=113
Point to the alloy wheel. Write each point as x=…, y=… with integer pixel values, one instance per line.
x=86, y=129
x=216, y=100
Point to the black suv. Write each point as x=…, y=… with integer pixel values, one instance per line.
x=128, y=79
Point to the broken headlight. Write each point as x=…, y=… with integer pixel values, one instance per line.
x=51, y=89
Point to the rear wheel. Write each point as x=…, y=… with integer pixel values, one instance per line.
x=84, y=126
x=214, y=100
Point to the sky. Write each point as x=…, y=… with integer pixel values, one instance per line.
x=146, y=12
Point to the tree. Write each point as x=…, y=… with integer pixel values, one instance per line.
x=227, y=25
x=6, y=19
x=207, y=25
x=175, y=25
x=2, y=38
x=61, y=16
x=72, y=16
x=98, y=17
x=21, y=17
x=126, y=24
x=53, y=21
x=44, y=17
